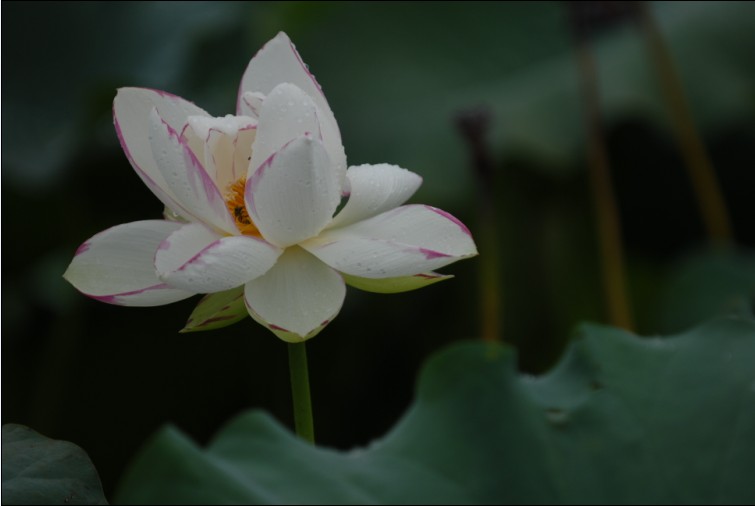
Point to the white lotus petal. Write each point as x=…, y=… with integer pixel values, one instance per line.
x=279, y=62
x=297, y=298
x=375, y=189
x=395, y=285
x=131, y=113
x=293, y=196
x=186, y=177
x=197, y=259
x=243, y=152
x=226, y=146
x=288, y=113
x=116, y=266
x=252, y=103
x=405, y=241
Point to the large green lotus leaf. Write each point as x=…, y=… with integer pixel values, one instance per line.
x=706, y=284
x=40, y=470
x=621, y=419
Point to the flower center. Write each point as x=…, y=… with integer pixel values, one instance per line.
x=234, y=199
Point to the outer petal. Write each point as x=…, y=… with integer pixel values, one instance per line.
x=374, y=190
x=194, y=189
x=293, y=195
x=116, y=266
x=405, y=241
x=287, y=113
x=197, y=259
x=279, y=62
x=395, y=285
x=131, y=111
x=297, y=298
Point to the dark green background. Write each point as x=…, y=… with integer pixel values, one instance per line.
x=395, y=75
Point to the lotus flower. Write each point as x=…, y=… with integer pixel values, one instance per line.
x=250, y=208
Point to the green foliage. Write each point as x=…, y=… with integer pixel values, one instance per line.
x=707, y=284
x=621, y=419
x=40, y=470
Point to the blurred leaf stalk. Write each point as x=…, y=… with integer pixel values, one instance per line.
x=474, y=126
x=587, y=21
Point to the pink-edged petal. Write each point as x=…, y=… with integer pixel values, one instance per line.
x=226, y=146
x=375, y=189
x=116, y=266
x=197, y=259
x=395, y=285
x=287, y=113
x=293, y=195
x=279, y=62
x=131, y=114
x=252, y=103
x=405, y=241
x=194, y=189
x=242, y=152
x=297, y=298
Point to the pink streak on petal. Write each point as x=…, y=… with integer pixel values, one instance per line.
x=426, y=276
x=119, y=132
x=236, y=174
x=216, y=319
x=276, y=327
x=239, y=95
x=147, y=180
x=252, y=108
x=209, y=188
x=252, y=182
x=122, y=140
x=450, y=218
x=116, y=298
x=195, y=258
x=305, y=67
x=107, y=299
x=183, y=130
x=431, y=254
x=212, y=131
x=82, y=249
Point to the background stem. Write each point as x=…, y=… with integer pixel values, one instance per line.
x=297, y=365
x=703, y=177
x=606, y=209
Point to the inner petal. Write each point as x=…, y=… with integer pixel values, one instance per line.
x=223, y=144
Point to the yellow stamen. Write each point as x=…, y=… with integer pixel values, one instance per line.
x=234, y=199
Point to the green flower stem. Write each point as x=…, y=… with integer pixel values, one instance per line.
x=297, y=365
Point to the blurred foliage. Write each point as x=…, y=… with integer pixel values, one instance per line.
x=395, y=75
x=39, y=470
x=586, y=433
